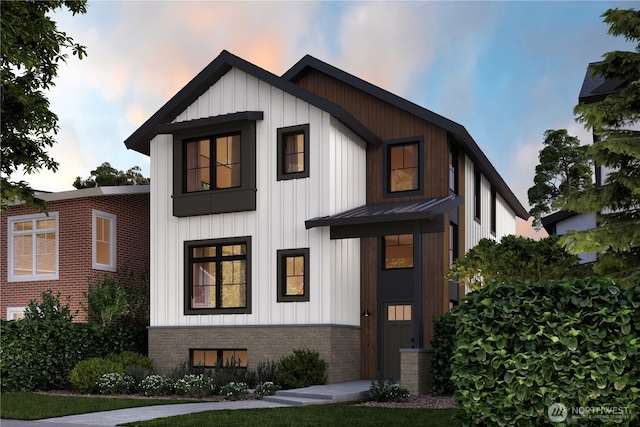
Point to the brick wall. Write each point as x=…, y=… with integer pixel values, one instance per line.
x=74, y=262
x=338, y=345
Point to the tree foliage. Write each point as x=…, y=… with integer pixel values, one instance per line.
x=32, y=48
x=514, y=258
x=564, y=167
x=105, y=175
x=617, y=201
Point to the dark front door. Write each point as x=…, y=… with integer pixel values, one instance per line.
x=397, y=333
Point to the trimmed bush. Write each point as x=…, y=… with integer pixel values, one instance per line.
x=234, y=391
x=301, y=369
x=85, y=376
x=522, y=347
x=443, y=344
x=267, y=388
x=115, y=383
x=156, y=385
x=388, y=391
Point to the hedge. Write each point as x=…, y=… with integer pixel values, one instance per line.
x=443, y=345
x=523, y=347
x=40, y=355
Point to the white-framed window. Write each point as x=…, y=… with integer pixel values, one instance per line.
x=103, y=241
x=15, y=313
x=33, y=247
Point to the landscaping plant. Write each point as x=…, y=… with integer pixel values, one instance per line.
x=301, y=369
x=522, y=347
x=443, y=344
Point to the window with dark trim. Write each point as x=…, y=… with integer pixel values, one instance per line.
x=477, y=199
x=217, y=358
x=493, y=211
x=217, y=276
x=293, y=275
x=398, y=251
x=403, y=167
x=453, y=169
x=293, y=152
x=214, y=164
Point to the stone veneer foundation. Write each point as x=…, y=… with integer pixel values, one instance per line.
x=415, y=370
x=338, y=345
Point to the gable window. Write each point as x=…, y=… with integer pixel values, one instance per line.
x=403, y=170
x=293, y=275
x=104, y=241
x=214, y=164
x=33, y=247
x=216, y=358
x=293, y=152
x=217, y=276
x=398, y=251
x=477, y=200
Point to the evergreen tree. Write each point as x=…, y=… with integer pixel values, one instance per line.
x=32, y=48
x=564, y=167
x=616, y=240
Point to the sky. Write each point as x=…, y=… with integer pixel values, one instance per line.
x=507, y=71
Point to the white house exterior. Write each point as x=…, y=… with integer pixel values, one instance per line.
x=283, y=218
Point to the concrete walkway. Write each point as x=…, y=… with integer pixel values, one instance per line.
x=314, y=395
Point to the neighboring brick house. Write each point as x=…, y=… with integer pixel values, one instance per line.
x=308, y=210
x=86, y=233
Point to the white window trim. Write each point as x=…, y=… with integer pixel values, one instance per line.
x=95, y=214
x=11, y=311
x=10, y=258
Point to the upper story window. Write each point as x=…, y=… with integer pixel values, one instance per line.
x=217, y=276
x=293, y=275
x=404, y=167
x=104, y=241
x=398, y=251
x=223, y=171
x=477, y=198
x=293, y=152
x=453, y=169
x=214, y=164
x=33, y=247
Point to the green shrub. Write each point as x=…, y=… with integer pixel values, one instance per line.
x=156, y=385
x=39, y=351
x=443, y=344
x=130, y=358
x=234, y=391
x=107, y=300
x=522, y=347
x=267, y=372
x=195, y=386
x=388, y=391
x=301, y=369
x=85, y=376
x=116, y=383
x=267, y=388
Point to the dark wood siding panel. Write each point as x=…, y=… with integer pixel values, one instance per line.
x=388, y=122
x=433, y=282
x=368, y=301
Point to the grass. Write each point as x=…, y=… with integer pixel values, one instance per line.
x=36, y=406
x=33, y=406
x=340, y=414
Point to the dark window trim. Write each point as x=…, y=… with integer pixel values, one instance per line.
x=215, y=201
x=188, y=271
x=218, y=351
x=384, y=252
x=282, y=132
x=477, y=196
x=453, y=152
x=282, y=254
x=385, y=167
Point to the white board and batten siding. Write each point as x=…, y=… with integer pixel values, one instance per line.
x=336, y=183
x=505, y=216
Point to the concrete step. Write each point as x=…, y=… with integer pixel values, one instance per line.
x=295, y=400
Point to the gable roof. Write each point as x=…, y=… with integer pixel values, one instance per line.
x=140, y=139
x=459, y=132
x=595, y=87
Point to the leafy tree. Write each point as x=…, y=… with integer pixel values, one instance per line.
x=515, y=258
x=32, y=48
x=564, y=167
x=107, y=300
x=105, y=175
x=617, y=201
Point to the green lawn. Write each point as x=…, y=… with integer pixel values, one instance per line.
x=340, y=414
x=33, y=406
